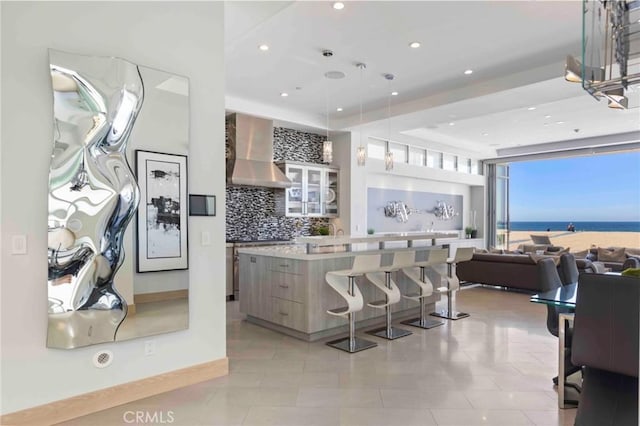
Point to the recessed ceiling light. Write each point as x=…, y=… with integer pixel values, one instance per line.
x=414, y=44
x=559, y=122
x=338, y=5
x=468, y=72
x=263, y=47
x=547, y=116
x=451, y=123
x=394, y=93
x=284, y=94
x=485, y=134
x=339, y=109
x=531, y=108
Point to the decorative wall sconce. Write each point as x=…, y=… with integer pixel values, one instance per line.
x=444, y=211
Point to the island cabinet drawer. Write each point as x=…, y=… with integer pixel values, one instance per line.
x=289, y=266
x=288, y=313
x=288, y=286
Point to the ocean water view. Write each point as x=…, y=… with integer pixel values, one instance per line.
x=579, y=226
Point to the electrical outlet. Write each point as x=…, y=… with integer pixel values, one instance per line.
x=149, y=347
x=205, y=238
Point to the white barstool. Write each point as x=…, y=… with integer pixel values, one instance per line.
x=436, y=257
x=382, y=280
x=463, y=254
x=343, y=282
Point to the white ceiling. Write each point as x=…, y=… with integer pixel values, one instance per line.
x=516, y=50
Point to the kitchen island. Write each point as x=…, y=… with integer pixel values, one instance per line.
x=283, y=287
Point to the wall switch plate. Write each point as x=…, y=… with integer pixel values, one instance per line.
x=19, y=244
x=205, y=238
x=149, y=347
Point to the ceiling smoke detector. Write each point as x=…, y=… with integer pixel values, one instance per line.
x=334, y=75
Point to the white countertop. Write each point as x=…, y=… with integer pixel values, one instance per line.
x=299, y=251
x=332, y=240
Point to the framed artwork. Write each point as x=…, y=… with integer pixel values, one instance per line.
x=162, y=243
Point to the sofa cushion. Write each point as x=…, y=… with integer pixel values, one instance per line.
x=537, y=257
x=503, y=258
x=611, y=255
x=557, y=252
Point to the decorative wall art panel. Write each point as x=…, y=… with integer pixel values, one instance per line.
x=394, y=210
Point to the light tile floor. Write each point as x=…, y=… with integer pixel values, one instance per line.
x=493, y=368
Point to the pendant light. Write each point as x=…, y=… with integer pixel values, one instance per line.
x=388, y=156
x=361, y=153
x=327, y=145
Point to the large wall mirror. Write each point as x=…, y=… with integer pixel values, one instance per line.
x=117, y=227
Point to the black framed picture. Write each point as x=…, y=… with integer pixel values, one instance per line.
x=202, y=205
x=162, y=242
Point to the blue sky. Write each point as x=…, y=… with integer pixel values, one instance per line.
x=593, y=188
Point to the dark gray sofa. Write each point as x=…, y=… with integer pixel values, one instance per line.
x=508, y=270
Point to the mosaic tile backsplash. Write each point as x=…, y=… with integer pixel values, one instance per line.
x=251, y=210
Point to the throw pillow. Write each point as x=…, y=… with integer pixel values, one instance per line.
x=613, y=255
x=631, y=272
x=581, y=254
x=632, y=252
x=496, y=250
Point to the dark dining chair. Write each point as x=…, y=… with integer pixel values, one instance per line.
x=605, y=341
x=549, y=279
x=568, y=269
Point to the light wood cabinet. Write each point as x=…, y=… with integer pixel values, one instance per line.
x=314, y=191
x=292, y=295
x=289, y=314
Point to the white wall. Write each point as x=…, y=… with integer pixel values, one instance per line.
x=182, y=38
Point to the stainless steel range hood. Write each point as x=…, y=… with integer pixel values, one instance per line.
x=250, y=156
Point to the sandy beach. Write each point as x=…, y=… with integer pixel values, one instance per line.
x=578, y=240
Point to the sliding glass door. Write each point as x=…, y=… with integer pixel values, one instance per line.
x=498, y=203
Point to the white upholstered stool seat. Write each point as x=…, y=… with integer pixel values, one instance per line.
x=416, y=273
x=343, y=282
x=463, y=254
x=382, y=280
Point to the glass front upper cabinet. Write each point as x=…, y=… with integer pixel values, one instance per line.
x=314, y=191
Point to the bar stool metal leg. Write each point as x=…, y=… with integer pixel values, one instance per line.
x=352, y=344
x=423, y=321
x=450, y=313
x=388, y=332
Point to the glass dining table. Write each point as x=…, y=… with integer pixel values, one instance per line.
x=564, y=297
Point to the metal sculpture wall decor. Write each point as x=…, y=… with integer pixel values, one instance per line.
x=444, y=211
x=93, y=195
